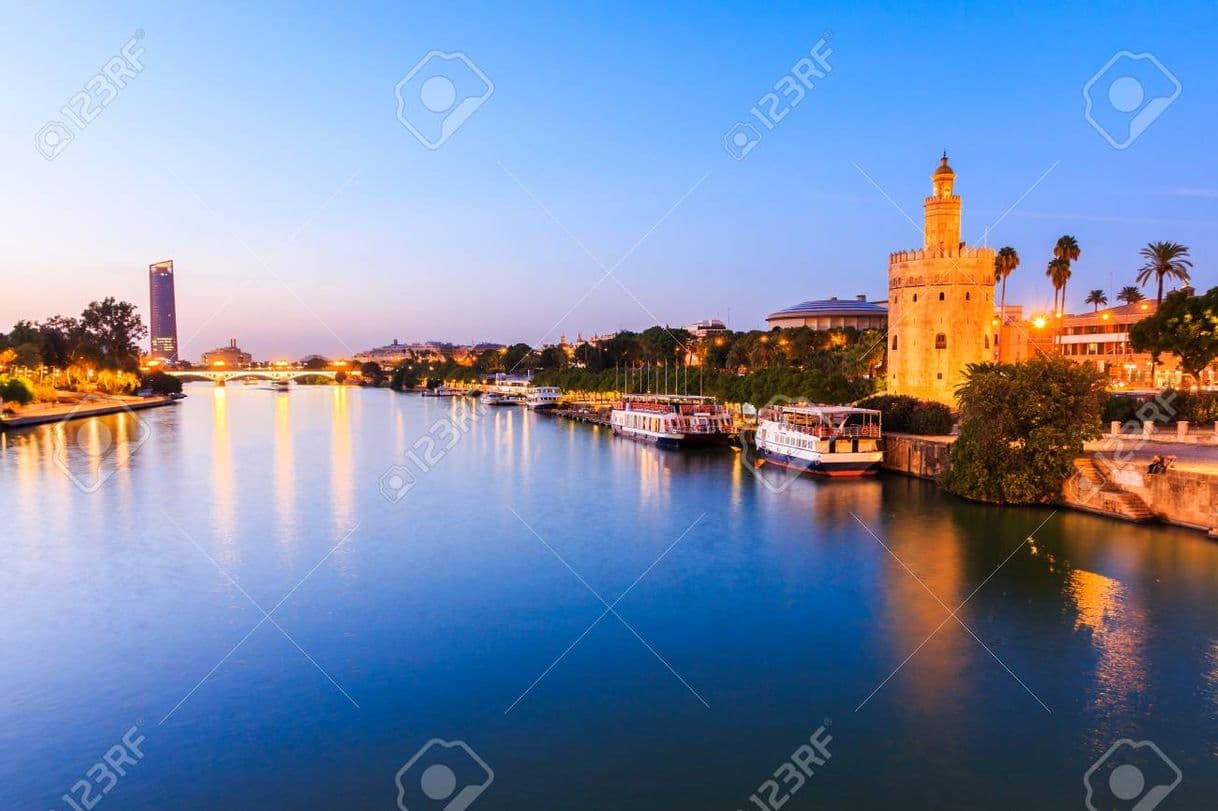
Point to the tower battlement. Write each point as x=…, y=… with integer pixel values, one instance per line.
x=919, y=254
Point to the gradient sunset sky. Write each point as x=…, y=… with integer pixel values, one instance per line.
x=260, y=149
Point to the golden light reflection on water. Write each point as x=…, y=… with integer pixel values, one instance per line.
x=930, y=684
x=342, y=476
x=223, y=499
x=1116, y=627
x=285, y=471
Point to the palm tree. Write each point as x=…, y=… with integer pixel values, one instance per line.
x=1097, y=298
x=1130, y=295
x=1005, y=262
x=1164, y=259
x=1068, y=251
x=1058, y=272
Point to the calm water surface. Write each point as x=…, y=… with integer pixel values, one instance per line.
x=750, y=618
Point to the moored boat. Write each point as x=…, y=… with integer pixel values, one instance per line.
x=442, y=391
x=823, y=440
x=541, y=397
x=675, y=420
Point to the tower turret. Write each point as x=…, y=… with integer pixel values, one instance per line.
x=942, y=209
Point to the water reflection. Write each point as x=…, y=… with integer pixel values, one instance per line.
x=223, y=501
x=284, y=476
x=1116, y=628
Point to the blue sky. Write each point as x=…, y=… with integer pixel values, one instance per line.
x=260, y=149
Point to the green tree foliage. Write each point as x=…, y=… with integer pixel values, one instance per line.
x=1021, y=427
x=15, y=389
x=161, y=383
x=1164, y=260
x=1185, y=326
x=112, y=331
x=902, y=414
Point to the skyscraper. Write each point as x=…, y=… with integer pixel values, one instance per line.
x=163, y=311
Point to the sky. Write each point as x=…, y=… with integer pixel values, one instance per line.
x=260, y=147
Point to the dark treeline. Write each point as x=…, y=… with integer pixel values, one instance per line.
x=106, y=335
x=757, y=366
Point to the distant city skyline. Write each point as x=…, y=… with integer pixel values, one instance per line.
x=303, y=216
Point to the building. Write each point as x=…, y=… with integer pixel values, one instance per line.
x=162, y=312
x=832, y=313
x=705, y=327
x=230, y=357
x=940, y=301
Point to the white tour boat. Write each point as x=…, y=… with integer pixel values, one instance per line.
x=504, y=390
x=820, y=439
x=442, y=391
x=677, y=420
x=540, y=397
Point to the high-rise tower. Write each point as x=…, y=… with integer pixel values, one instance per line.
x=162, y=311
x=940, y=302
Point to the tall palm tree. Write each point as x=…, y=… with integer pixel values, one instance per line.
x=1068, y=251
x=1058, y=272
x=1163, y=259
x=1130, y=295
x=1097, y=298
x=1005, y=262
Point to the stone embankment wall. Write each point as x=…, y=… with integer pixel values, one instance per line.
x=1183, y=497
x=922, y=456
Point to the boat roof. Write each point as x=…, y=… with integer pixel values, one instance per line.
x=670, y=398
x=814, y=409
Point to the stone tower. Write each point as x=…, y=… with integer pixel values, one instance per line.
x=940, y=302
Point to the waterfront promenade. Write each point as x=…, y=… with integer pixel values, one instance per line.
x=91, y=406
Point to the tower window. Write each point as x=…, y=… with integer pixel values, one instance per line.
x=940, y=341
x=894, y=342
x=987, y=342
x=968, y=296
x=941, y=297
x=915, y=297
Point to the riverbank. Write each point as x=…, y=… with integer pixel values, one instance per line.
x=91, y=406
x=1112, y=478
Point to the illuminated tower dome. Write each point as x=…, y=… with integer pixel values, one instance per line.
x=940, y=302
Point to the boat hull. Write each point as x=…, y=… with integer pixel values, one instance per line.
x=707, y=440
x=869, y=465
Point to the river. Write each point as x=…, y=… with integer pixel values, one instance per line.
x=264, y=602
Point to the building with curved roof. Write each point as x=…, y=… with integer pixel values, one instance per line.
x=833, y=313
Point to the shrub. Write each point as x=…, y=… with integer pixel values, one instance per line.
x=931, y=418
x=16, y=390
x=161, y=383
x=902, y=414
x=1021, y=427
x=1201, y=406
x=1119, y=407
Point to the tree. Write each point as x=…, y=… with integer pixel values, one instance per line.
x=1068, y=251
x=1021, y=427
x=1163, y=260
x=518, y=355
x=553, y=357
x=161, y=383
x=1005, y=262
x=112, y=330
x=372, y=372
x=1097, y=298
x=1184, y=325
x=315, y=362
x=1130, y=295
x=1058, y=272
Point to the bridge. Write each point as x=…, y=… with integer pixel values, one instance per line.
x=222, y=376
